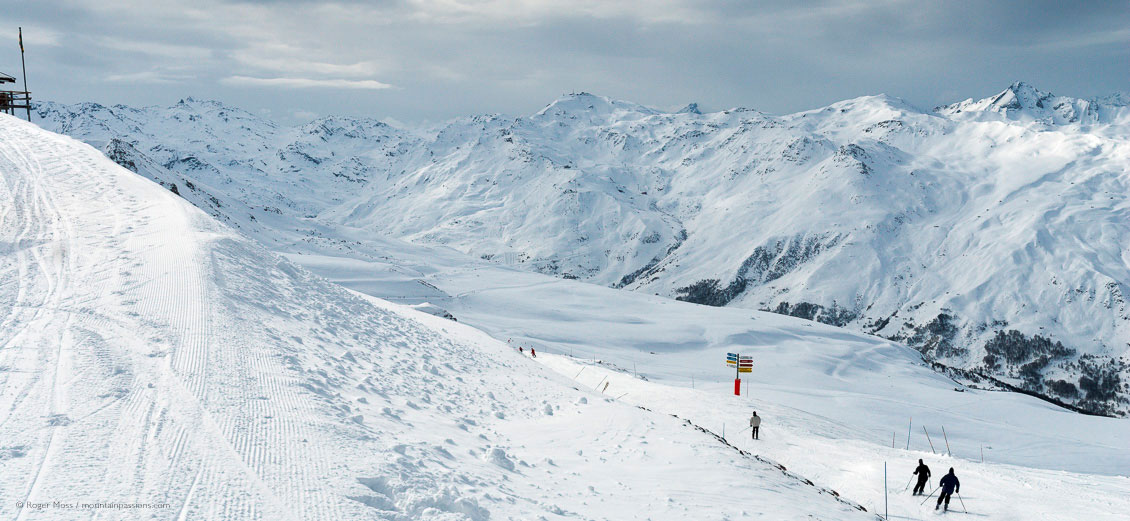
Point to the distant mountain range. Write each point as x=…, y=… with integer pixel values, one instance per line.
x=989, y=234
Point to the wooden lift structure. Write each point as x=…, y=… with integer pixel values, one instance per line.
x=13, y=100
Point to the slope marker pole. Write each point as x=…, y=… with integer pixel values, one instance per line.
x=909, y=426
x=929, y=440
x=886, y=505
x=948, y=453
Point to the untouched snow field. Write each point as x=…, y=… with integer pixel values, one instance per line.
x=154, y=360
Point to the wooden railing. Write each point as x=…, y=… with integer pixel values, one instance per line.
x=13, y=100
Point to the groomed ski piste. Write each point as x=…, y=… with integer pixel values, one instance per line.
x=150, y=355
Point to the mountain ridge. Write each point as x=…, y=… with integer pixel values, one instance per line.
x=939, y=216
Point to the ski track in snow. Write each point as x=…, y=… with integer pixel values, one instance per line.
x=149, y=443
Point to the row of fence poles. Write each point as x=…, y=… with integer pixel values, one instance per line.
x=910, y=429
x=894, y=434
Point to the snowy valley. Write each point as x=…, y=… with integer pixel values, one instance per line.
x=986, y=234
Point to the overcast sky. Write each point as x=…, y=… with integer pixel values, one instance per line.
x=428, y=60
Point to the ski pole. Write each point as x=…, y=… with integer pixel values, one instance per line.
x=928, y=497
x=962, y=502
x=908, y=483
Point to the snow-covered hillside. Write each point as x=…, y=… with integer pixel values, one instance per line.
x=833, y=401
x=156, y=362
x=987, y=234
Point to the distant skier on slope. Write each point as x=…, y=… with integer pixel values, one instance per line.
x=520, y=350
x=923, y=477
x=949, y=484
x=754, y=425
x=533, y=353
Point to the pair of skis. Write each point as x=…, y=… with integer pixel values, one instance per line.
x=963, y=509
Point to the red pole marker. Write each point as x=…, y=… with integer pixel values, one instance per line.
x=737, y=386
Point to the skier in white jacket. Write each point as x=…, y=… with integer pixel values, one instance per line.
x=754, y=424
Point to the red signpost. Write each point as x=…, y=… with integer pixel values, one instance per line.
x=741, y=364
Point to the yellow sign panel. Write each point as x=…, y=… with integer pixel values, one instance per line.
x=745, y=369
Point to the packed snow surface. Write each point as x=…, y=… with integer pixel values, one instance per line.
x=156, y=362
x=987, y=234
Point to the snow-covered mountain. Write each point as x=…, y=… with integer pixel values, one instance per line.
x=154, y=364
x=987, y=234
x=1025, y=103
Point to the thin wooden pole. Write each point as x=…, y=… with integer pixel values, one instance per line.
x=909, y=426
x=27, y=97
x=929, y=440
x=948, y=453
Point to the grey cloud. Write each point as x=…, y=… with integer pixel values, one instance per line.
x=505, y=57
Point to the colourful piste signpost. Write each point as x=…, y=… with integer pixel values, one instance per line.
x=741, y=364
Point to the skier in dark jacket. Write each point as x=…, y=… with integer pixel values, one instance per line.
x=949, y=484
x=923, y=477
